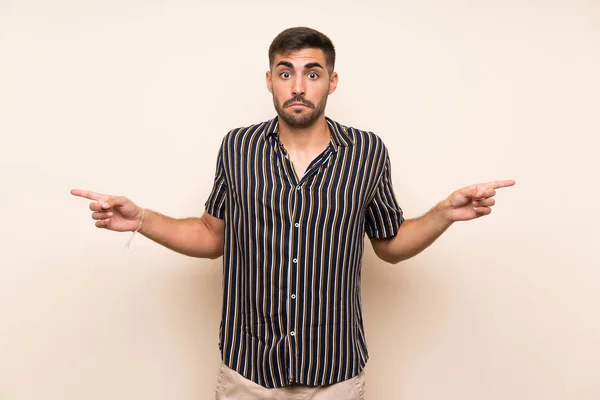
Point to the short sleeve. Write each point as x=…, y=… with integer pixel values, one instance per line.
x=383, y=214
x=216, y=205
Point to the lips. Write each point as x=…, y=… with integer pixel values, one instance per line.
x=297, y=101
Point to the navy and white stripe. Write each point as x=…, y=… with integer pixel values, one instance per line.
x=293, y=249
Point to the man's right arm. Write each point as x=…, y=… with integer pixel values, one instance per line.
x=195, y=237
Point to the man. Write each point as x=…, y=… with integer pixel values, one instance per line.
x=292, y=200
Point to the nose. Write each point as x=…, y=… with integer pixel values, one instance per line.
x=299, y=87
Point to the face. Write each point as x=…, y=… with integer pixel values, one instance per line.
x=300, y=84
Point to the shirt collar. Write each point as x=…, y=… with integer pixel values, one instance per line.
x=339, y=133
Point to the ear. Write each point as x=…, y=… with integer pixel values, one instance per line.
x=269, y=81
x=333, y=81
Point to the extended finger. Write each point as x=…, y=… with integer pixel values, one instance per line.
x=88, y=194
x=102, y=215
x=499, y=184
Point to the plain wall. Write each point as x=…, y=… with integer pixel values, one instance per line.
x=133, y=97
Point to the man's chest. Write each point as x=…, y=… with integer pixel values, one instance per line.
x=265, y=187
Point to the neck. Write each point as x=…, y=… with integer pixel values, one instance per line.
x=315, y=136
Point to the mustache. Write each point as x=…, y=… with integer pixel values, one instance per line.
x=298, y=99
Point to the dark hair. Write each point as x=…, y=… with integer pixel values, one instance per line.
x=300, y=38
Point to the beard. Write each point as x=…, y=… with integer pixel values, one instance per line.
x=300, y=120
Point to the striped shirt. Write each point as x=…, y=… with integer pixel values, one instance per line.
x=292, y=252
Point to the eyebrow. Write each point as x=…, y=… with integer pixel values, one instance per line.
x=313, y=65
x=307, y=66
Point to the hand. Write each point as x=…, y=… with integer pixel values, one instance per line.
x=472, y=201
x=115, y=213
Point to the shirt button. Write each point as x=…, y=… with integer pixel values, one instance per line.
x=292, y=333
x=293, y=297
x=296, y=225
x=295, y=261
x=298, y=187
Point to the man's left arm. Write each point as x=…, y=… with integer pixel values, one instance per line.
x=415, y=235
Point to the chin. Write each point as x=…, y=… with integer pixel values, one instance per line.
x=298, y=121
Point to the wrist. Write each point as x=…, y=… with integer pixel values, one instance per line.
x=141, y=222
x=443, y=211
x=140, y=218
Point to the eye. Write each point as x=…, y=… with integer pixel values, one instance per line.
x=313, y=75
x=285, y=75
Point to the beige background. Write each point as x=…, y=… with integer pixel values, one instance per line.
x=134, y=97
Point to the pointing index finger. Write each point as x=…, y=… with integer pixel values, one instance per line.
x=499, y=184
x=86, y=194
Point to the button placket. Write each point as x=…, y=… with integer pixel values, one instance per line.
x=294, y=271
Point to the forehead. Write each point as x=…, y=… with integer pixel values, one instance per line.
x=301, y=57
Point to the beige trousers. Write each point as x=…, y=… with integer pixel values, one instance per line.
x=233, y=386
